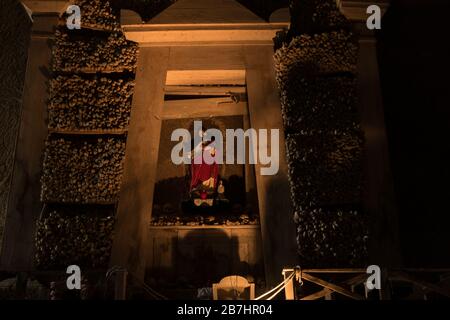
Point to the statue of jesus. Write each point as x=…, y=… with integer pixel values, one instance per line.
x=203, y=175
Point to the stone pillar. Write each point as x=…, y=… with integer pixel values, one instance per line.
x=141, y=162
x=274, y=197
x=24, y=206
x=250, y=187
x=15, y=36
x=379, y=202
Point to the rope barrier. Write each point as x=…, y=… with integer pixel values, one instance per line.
x=278, y=291
x=272, y=292
x=279, y=287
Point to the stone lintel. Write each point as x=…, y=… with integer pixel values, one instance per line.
x=203, y=34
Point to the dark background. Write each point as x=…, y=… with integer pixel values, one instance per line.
x=414, y=52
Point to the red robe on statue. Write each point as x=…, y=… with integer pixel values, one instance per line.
x=201, y=173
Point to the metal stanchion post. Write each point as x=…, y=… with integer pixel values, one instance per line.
x=120, y=287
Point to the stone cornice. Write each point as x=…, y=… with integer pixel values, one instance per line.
x=45, y=7
x=44, y=15
x=356, y=11
x=149, y=34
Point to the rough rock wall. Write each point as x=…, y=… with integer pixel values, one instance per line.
x=316, y=66
x=14, y=38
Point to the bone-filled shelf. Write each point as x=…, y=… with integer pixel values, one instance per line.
x=332, y=237
x=98, y=103
x=318, y=54
x=316, y=64
x=319, y=104
x=79, y=238
x=95, y=54
x=325, y=169
x=87, y=171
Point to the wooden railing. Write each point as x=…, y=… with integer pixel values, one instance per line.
x=305, y=284
x=330, y=284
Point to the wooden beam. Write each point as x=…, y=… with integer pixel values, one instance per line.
x=141, y=160
x=204, y=91
x=361, y=278
x=326, y=291
x=203, y=34
x=274, y=201
x=202, y=108
x=206, y=58
x=197, y=103
x=317, y=295
x=331, y=286
x=347, y=270
x=290, y=286
x=428, y=270
x=250, y=179
x=205, y=77
x=424, y=284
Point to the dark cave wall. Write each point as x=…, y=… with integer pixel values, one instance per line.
x=14, y=38
x=414, y=69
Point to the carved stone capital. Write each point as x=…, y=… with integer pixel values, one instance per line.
x=44, y=7
x=356, y=11
x=44, y=15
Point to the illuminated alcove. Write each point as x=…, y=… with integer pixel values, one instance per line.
x=213, y=61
